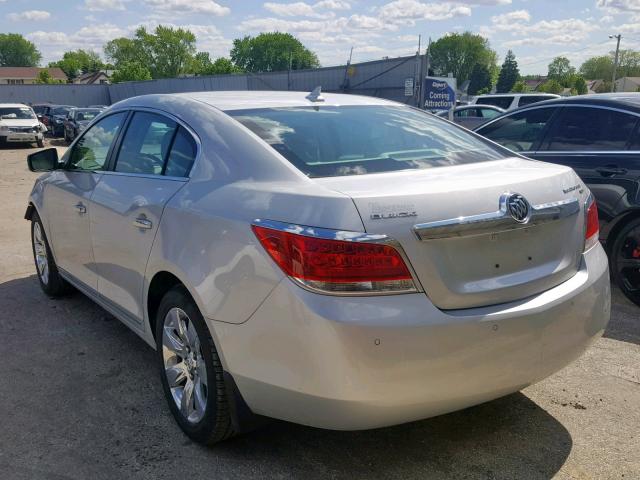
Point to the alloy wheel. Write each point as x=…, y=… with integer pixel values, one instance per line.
x=40, y=249
x=184, y=365
x=627, y=262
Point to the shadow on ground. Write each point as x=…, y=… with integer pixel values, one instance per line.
x=87, y=403
x=625, y=319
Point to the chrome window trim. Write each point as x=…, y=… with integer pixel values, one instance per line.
x=178, y=121
x=555, y=105
x=155, y=176
x=496, y=222
x=346, y=236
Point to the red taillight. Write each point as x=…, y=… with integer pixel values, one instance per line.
x=592, y=231
x=336, y=265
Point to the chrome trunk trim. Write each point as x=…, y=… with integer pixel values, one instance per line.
x=496, y=222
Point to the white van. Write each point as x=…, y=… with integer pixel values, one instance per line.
x=510, y=101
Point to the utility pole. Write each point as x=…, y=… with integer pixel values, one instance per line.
x=615, y=63
x=345, y=81
x=289, y=71
x=424, y=73
x=416, y=75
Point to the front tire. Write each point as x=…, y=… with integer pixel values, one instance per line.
x=48, y=275
x=625, y=260
x=190, y=370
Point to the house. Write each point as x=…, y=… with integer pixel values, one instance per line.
x=533, y=83
x=628, y=84
x=594, y=85
x=27, y=75
x=93, y=78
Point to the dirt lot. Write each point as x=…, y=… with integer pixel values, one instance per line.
x=80, y=398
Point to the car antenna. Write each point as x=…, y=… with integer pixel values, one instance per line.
x=315, y=95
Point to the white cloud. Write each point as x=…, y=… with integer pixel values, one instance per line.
x=619, y=5
x=103, y=5
x=208, y=7
x=322, y=9
x=409, y=11
x=511, y=17
x=30, y=15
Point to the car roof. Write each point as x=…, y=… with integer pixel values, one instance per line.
x=13, y=105
x=631, y=101
x=243, y=99
x=539, y=94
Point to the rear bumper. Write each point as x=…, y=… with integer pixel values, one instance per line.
x=364, y=362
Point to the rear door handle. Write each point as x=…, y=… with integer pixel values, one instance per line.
x=142, y=222
x=81, y=208
x=611, y=171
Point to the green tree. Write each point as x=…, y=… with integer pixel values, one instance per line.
x=79, y=61
x=129, y=72
x=551, y=86
x=270, y=52
x=629, y=63
x=480, y=79
x=509, y=74
x=16, y=51
x=560, y=69
x=580, y=86
x=604, y=87
x=597, y=68
x=167, y=52
x=201, y=64
x=519, y=87
x=45, y=77
x=458, y=53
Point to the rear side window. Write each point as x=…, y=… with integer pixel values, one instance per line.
x=146, y=144
x=519, y=132
x=354, y=140
x=587, y=128
x=182, y=155
x=502, y=102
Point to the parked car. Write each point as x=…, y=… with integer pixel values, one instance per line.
x=598, y=136
x=19, y=124
x=55, y=119
x=77, y=121
x=511, y=101
x=338, y=261
x=472, y=116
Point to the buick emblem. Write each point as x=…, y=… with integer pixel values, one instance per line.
x=518, y=208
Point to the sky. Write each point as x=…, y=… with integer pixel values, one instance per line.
x=536, y=30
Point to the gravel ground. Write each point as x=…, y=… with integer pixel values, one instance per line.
x=81, y=398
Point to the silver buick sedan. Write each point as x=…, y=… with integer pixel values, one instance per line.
x=337, y=261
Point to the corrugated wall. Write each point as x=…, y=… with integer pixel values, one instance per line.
x=381, y=78
x=79, y=95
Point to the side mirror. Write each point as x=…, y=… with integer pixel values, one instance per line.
x=43, y=161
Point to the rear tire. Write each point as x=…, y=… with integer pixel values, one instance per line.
x=624, y=260
x=189, y=362
x=50, y=280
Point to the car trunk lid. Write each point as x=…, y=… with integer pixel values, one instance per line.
x=464, y=246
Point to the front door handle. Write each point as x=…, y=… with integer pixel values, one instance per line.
x=81, y=208
x=142, y=222
x=610, y=171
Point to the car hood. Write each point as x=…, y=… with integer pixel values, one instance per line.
x=17, y=122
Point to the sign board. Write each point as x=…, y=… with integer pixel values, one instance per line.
x=408, y=87
x=439, y=93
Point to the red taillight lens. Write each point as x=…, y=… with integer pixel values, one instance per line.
x=592, y=231
x=337, y=265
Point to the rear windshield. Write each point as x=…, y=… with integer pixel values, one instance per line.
x=355, y=140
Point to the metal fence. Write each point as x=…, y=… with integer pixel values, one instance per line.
x=381, y=78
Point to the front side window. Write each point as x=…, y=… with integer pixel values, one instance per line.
x=590, y=128
x=91, y=151
x=488, y=113
x=519, y=132
x=353, y=140
x=146, y=144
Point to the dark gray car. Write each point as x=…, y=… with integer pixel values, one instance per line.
x=77, y=121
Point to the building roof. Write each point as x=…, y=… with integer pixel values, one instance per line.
x=90, y=77
x=30, y=72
